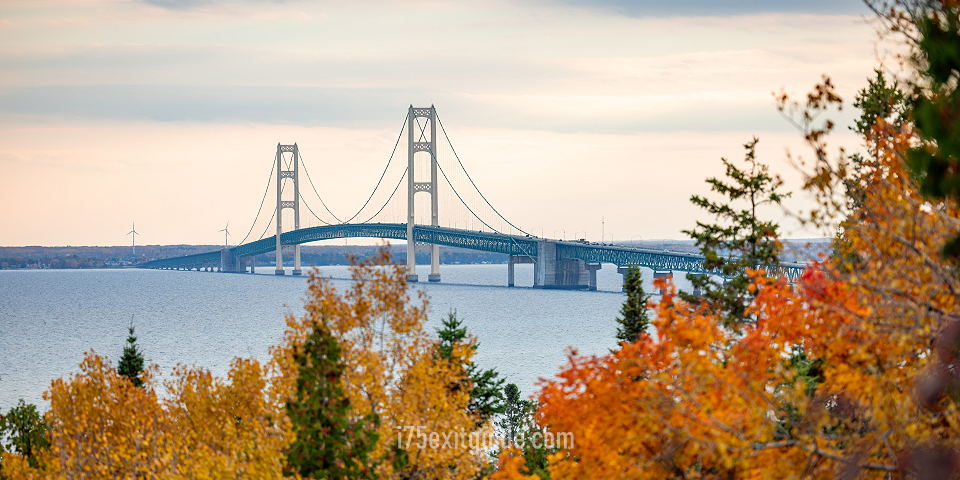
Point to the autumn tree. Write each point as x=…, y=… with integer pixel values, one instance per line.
x=329, y=443
x=740, y=240
x=849, y=373
x=931, y=31
x=634, y=317
x=131, y=362
x=357, y=356
x=102, y=426
x=392, y=369
x=483, y=386
x=25, y=432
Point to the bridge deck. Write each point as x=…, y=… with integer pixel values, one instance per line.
x=483, y=241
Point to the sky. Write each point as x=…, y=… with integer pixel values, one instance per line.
x=594, y=119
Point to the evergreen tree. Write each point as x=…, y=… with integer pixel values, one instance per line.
x=329, y=443
x=740, y=240
x=880, y=100
x=514, y=411
x=887, y=102
x=486, y=396
x=519, y=426
x=935, y=163
x=634, y=318
x=131, y=362
x=25, y=432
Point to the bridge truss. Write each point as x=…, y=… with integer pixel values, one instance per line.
x=516, y=245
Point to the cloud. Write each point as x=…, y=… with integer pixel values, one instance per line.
x=384, y=107
x=658, y=8
x=190, y=4
x=177, y=4
x=633, y=8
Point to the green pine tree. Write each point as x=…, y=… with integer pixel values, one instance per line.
x=634, y=317
x=739, y=240
x=935, y=163
x=519, y=426
x=886, y=101
x=25, y=432
x=514, y=412
x=329, y=443
x=486, y=396
x=880, y=100
x=131, y=362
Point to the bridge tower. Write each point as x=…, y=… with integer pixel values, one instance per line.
x=288, y=169
x=418, y=143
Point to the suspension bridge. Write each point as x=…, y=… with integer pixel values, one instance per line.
x=432, y=168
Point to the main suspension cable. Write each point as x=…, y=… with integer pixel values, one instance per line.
x=381, y=175
x=391, y=196
x=282, y=186
x=265, y=191
x=268, y=224
x=465, y=203
x=318, y=194
x=471, y=180
x=314, y=214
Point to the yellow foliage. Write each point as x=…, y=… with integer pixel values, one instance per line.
x=204, y=427
x=102, y=426
x=391, y=369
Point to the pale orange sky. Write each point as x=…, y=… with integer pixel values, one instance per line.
x=167, y=113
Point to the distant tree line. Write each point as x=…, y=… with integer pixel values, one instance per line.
x=319, y=255
x=50, y=262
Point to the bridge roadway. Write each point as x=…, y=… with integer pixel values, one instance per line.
x=559, y=264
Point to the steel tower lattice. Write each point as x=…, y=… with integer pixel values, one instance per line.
x=290, y=171
x=429, y=147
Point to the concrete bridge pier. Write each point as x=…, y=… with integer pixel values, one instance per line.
x=566, y=273
x=664, y=275
x=592, y=268
x=434, y=276
x=296, y=259
x=513, y=260
x=227, y=262
x=623, y=271
x=696, y=290
x=234, y=264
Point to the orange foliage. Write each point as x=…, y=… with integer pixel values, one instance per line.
x=696, y=400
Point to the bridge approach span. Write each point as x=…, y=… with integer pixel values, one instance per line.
x=558, y=264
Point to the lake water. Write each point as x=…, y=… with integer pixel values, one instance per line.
x=49, y=318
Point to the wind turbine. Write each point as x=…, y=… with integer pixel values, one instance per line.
x=226, y=233
x=134, y=232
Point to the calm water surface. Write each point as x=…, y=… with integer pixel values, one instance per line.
x=49, y=318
